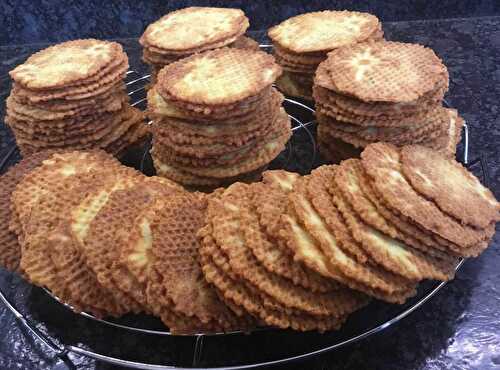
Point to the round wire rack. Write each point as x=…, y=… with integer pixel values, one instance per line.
x=301, y=156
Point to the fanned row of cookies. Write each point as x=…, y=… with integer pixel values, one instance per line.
x=290, y=251
x=216, y=117
x=303, y=252
x=108, y=240
x=302, y=42
x=72, y=95
x=383, y=92
x=187, y=31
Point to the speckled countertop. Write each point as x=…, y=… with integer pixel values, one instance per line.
x=459, y=328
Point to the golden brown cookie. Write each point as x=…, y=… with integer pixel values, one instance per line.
x=218, y=77
x=10, y=251
x=195, y=29
x=382, y=164
x=323, y=31
x=65, y=63
x=398, y=72
x=454, y=189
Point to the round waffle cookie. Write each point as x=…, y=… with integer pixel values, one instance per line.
x=384, y=71
x=454, y=190
x=110, y=204
x=218, y=77
x=64, y=64
x=323, y=31
x=301, y=43
x=195, y=29
x=175, y=250
x=382, y=164
x=10, y=251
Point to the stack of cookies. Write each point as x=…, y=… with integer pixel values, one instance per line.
x=193, y=30
x=216, y=117
x=383, y=91
x=301, y=43
x=72, y=95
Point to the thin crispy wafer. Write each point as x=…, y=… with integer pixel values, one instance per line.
x=177, y=322
x=399, y=221
x=398, y=72
x=221, y=76
x=97, y=224
x=455, y=190
x=150, y=196
x=10, y=251
x=78, y=285
x=54, y=189
x=175, y=249
x=382, y=164
x=193, y=28
x=447, y=142
x=44, y=179
x=65, y=63
x=317, y=187
x=323, y=31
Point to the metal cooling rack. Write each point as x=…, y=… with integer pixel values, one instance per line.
x=302, y=118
